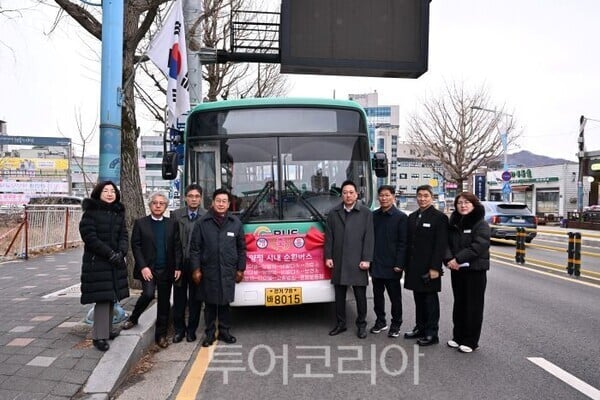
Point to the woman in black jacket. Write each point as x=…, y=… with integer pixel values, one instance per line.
x=103, y=270
x=469, y=259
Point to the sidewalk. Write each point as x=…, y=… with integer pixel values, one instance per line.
x=46, y=350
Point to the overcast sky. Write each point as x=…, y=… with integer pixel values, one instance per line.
x=539, y=58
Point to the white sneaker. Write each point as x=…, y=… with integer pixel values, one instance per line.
x=465, y=349
x=453, y=344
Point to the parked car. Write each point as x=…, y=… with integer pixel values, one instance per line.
x=504, y=218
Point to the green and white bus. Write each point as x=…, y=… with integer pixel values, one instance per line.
x=283, y=160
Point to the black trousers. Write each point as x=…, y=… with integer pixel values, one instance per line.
x=161, y=284
x=216, y=315
x=468, y=288
x=394, y=291
x=360, y=295
x=184, y=295
x=427, y=310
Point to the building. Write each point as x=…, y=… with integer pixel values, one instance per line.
x=549, y=191
x=151, y=153
x=384, y=124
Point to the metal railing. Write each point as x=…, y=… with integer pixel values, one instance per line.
x=39, y=228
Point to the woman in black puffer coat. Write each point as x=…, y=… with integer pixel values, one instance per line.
x=103, y=270
x=469, y=260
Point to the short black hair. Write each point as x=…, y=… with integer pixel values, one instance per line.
x=351, y=183
x=193, y=186
x=221, y=191
x=97, y=191
x=425, y=187
x=390, y=188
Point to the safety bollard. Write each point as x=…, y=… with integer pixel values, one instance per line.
x=570, y=253
x=577, y=255
x=520, y=250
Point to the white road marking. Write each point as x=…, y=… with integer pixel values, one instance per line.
x=566, y=377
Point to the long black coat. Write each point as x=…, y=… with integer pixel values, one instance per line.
x=219, y=251
x=390, y=243
x=349, y=239
x=143, y=246
x=469, y=240
x=102, y=229
x=427, y=245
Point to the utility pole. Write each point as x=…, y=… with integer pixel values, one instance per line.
x=111, y=94
x=192, y=12
x=580, y=156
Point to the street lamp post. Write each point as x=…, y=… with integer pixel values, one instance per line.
x=506, y=189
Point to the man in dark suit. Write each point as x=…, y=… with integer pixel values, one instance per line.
x=426, y=246
x=184, y=290
x=349, y=243
x=155, y=246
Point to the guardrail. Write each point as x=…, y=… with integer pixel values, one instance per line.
x=573, y=250
x=38, y=228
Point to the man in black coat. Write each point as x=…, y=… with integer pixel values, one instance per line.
x=427, y=244
x=155, y=246
x=184, y=290
x=349, y=245
x=218, y=261
x=389, y=260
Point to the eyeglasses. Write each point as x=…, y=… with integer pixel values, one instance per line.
x=158, y=203
x=463, y=203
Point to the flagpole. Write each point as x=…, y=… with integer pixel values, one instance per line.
x=192, y=12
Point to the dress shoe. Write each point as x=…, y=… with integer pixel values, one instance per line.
x=453, y=344
x=362, y=332
x=227, y=337
x=428, y=340
x=337, y=330
x=162, y=342
x=101, y=344
x=178, y=337
x=414, y=334
x=113, y=334
x=129, y=324
x=208, y=340
x=191, y=337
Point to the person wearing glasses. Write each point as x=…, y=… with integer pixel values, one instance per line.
x=218, y=262
x=468, y=260
x=157, y=253
x=103, y=270
x=184, y=290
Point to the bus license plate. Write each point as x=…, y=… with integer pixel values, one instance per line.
x=283, y=296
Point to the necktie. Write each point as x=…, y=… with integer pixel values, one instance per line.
x=193, y=216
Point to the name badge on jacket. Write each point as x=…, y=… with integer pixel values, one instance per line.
x=467, y=231
x=426, y=225
x=230, y=234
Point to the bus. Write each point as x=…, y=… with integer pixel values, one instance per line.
x=283, y=160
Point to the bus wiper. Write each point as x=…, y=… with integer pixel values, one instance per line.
x=259, y=197
x=313, y=211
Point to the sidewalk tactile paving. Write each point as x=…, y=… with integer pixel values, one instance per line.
x=41, y=361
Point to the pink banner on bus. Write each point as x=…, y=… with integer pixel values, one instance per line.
x=285, y=258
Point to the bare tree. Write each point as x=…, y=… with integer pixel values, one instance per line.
x=461, y=136
x=84, y=139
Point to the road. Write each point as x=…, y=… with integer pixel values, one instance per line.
x=539, y=341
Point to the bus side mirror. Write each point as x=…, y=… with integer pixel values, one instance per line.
x=169, y=165
x=380, y=164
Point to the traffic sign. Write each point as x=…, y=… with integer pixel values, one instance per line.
x=506, y=176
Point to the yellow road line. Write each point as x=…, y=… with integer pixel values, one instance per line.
x=564, y=278
x=191, y=384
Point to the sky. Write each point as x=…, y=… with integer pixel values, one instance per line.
x=540, y=59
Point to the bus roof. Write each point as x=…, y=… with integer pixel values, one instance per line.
x=275, y=102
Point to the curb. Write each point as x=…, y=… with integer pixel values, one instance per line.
x=124, y=352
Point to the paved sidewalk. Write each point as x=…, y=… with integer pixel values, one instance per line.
x=46, y=350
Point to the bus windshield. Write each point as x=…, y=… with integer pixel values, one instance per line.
x=279, y=164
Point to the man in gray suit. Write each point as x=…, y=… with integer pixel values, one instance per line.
x=184, y=290
x=349, y=243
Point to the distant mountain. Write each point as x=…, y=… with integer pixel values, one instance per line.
x=528, y=159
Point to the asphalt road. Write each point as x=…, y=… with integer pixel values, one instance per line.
x=535, y=325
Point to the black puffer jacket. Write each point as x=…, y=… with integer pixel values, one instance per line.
x=469, y=240
x=102, y=229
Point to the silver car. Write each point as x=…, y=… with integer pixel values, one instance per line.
x=504, y=218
